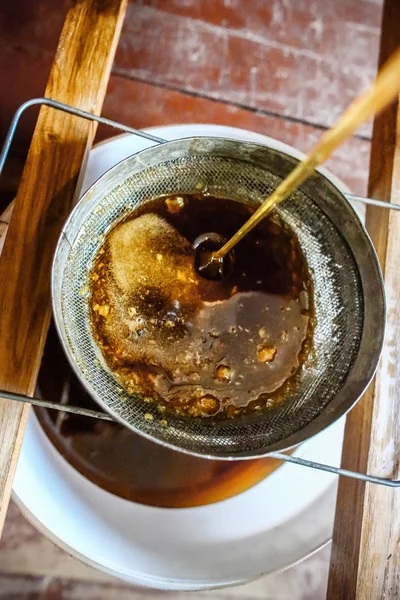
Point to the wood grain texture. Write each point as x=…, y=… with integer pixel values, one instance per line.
x=143, y=105
x=365, y=558
x=79, y=76
x=248, y=64
x=379, y=563
x=304, y=59
x=341, y=34
x=324, y=28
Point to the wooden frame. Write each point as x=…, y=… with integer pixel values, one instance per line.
x=365, y=559
x=58, y=150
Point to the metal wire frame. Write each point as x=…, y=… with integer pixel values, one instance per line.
x=101, y=415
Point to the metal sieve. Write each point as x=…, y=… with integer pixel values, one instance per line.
x=348, y=288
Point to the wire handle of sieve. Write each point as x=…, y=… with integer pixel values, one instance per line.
x=71, y=110
x=75, y=410
x=394, y=483
x=84, y=412
x=100, y=415
x=372, y=202
x=127, y=129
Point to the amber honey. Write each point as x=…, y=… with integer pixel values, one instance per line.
x=124, y=463
x=194, y=346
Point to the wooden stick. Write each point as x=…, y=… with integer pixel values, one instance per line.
x=365, y=557
x=383, y=92
x=79, y=76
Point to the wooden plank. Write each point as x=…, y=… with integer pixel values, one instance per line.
x=298, y=58
x=365, y=558
x=79, y=77
x=143, y=105
x=246, y=68
x=325, y=28
x=159, y=106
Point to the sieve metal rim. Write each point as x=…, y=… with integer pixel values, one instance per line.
x=365, y=363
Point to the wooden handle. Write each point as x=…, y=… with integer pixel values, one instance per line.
x=384, y=90
x=365, y=557
x=79, y=76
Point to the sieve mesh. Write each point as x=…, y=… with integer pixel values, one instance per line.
x=337, y=301
x=338, y=305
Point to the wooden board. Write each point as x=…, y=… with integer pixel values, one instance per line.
x=79, y=76
x=365, y=560
x=254, y=59
x=303, y=60
x=341, y=37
